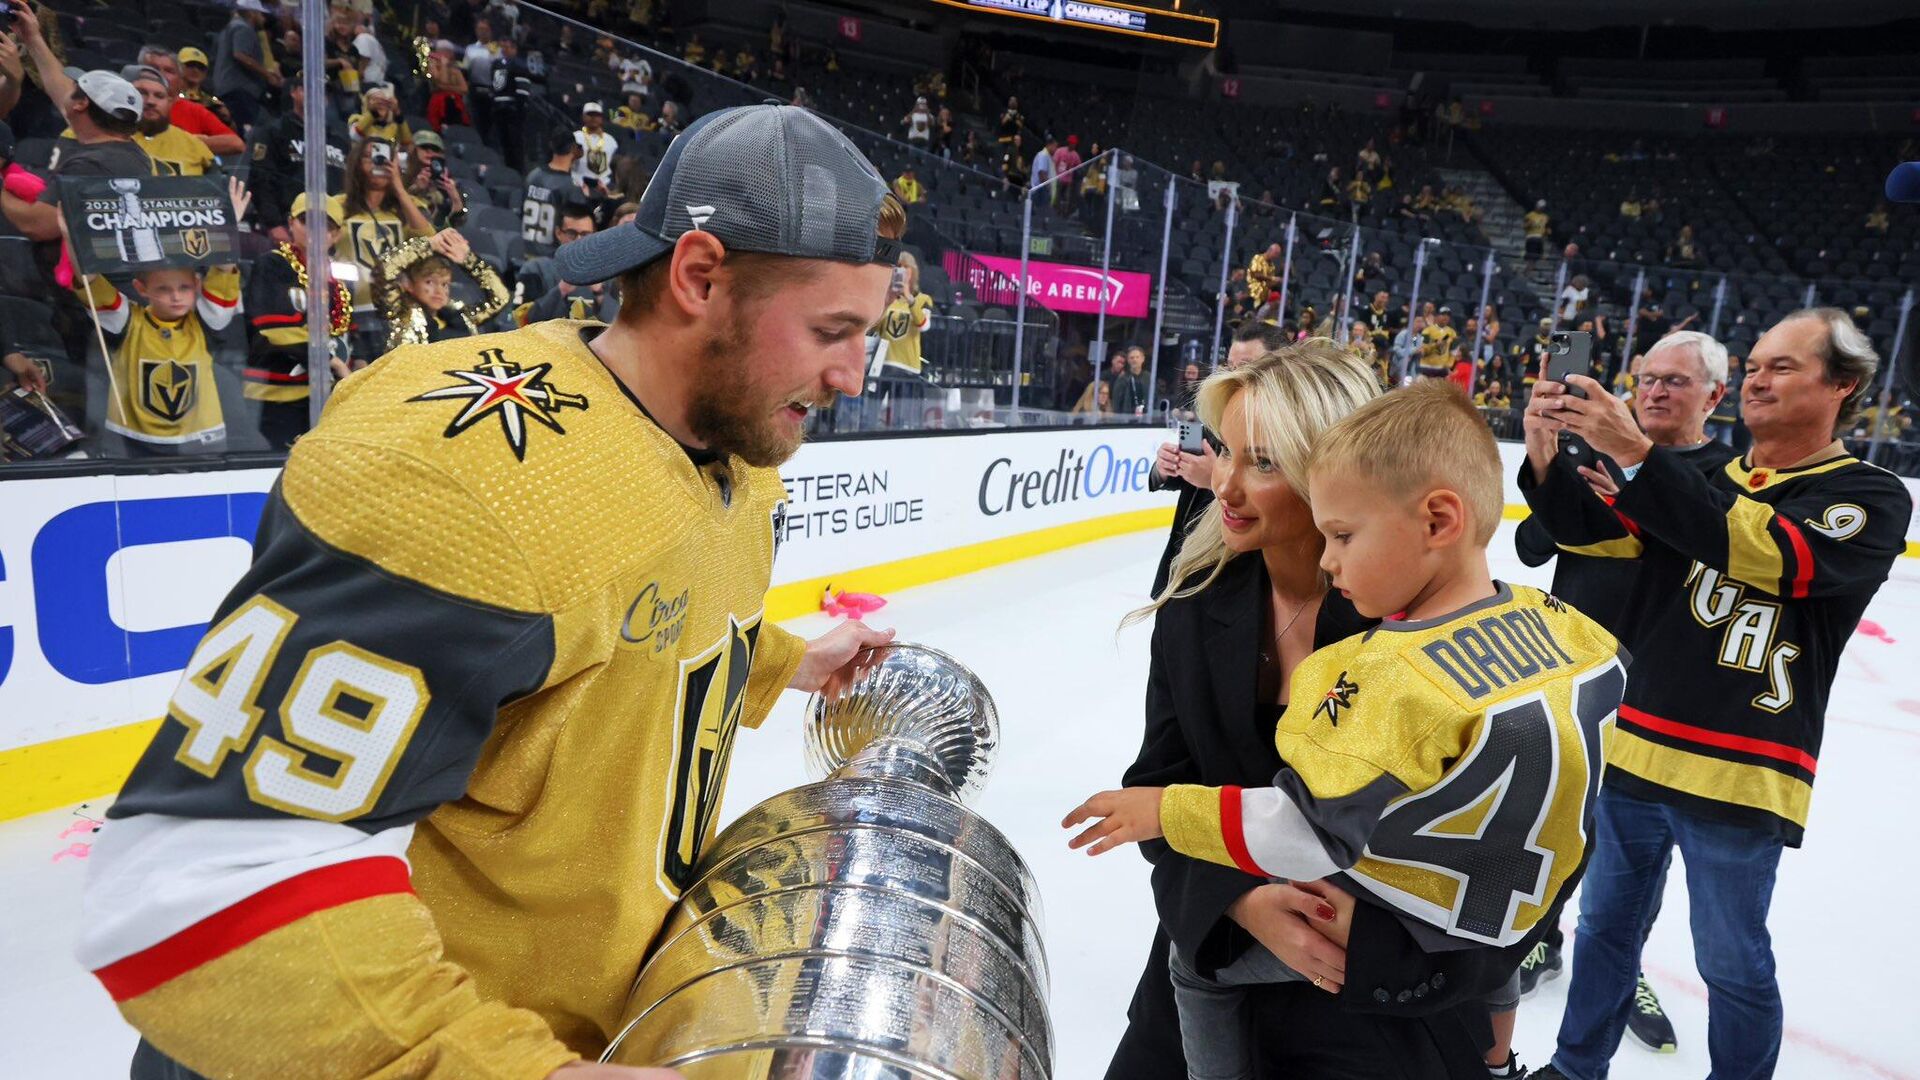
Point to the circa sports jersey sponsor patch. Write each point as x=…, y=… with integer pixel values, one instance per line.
x=656, y=618
x=499, y=387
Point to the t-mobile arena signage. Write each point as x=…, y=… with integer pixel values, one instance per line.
x=1056, y=286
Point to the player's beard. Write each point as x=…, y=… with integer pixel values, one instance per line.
x=729, y=411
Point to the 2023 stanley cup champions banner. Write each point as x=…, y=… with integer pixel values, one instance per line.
x=145, y=222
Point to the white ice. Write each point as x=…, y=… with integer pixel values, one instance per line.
x=1042, y=634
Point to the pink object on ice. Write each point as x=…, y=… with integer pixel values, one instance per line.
x=852, y=605
x=1874, y=630
x=78, y=851
x=84, y=825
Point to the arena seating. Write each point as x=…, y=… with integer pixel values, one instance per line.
x=1771, y=217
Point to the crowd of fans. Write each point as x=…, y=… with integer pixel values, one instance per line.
x=466, y=141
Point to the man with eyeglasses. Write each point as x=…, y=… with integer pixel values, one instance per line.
x=1752, y=577
x=1681, y=381
x=541, y=294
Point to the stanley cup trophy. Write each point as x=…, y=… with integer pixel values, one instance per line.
x=867, y=926
x=136, y=241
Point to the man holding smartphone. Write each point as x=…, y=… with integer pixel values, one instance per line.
x=1751, y=579
x=1684, y=379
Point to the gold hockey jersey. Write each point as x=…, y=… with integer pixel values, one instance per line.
x=451, y=748
x=1447, y=766
x=163, y=372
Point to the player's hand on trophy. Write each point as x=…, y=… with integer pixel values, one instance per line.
x=834, y=658
x=1128, y=816
x=588, y=1070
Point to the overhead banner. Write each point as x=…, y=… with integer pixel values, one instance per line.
x=1055, y=286
x=147, y=222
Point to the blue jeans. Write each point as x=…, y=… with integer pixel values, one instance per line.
x=1730, y=874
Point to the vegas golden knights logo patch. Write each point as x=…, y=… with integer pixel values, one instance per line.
x=712, y=692
x=1340, y=697
x=896, y=322
x=168, y=389
x=197, y=243
x=499, y=387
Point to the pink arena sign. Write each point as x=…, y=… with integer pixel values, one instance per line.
x=1057, y=286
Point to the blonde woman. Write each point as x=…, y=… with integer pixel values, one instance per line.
x=909, y=313
x=1245, y=603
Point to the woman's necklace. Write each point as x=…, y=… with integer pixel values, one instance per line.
x=1282, y=635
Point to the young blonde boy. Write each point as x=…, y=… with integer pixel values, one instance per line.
x=164, y=396
x=1442, y=764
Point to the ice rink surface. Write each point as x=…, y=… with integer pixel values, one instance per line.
x=1042, y=634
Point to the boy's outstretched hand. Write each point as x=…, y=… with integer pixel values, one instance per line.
x=1128, y=816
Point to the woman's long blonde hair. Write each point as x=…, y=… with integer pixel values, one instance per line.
x=1291, y=396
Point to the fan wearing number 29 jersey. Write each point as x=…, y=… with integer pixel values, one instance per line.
x=1447, y=766
x=451, y=748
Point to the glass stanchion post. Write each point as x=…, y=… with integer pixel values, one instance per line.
x=1559, y=286
x=1106, y=269
x=1020, y=305
x=313, y=77
x=1475, y=349
x=1160, y=296
x=1892, y=361
x=1405, y=360
x=1345, y=312
x=1633, y=313
x=1220, y=299
x=1286, y=268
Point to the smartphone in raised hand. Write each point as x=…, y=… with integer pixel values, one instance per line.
x=1571, y=353
x=1191, y=436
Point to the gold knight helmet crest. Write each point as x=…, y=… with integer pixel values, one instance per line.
x=196, y=243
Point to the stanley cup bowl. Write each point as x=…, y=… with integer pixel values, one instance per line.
x=864, y=926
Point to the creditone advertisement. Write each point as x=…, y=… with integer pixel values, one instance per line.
x=107, y=582
x=1052, y=285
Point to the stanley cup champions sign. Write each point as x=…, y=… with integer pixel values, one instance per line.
x=144, y=222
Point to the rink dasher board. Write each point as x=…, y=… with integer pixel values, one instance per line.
x=108, y=581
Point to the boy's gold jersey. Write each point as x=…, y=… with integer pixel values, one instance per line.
x=163, y=372
x=1448, y=766
x=452, y=747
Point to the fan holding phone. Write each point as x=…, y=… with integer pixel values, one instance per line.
x=909, y=313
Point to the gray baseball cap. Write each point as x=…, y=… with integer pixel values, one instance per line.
x=771, y=178
x=133, y=73
x=112, y=93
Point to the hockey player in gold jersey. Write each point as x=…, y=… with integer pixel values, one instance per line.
x=452, y=747
x=1445, y=762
